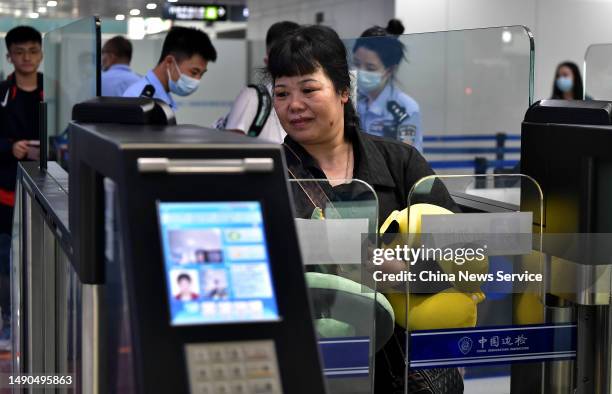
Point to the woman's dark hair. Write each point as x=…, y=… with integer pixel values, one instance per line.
x=384, y=42
x=395, y=27
x=278, y=31
x=578, y=89
x=305, y=51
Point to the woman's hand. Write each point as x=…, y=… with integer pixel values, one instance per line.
x=394, y=266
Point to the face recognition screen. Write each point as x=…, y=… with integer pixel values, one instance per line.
x=216, y=263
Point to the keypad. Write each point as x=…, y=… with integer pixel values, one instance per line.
x=248, y=367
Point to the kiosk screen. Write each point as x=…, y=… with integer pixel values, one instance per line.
x=216, y=263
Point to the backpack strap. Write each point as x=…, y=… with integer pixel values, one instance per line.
x=8, y=89
x=264, y=107
x=310, y=185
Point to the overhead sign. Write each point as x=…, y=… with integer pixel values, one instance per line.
x=195, y=12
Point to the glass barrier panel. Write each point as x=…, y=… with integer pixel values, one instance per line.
x=5, y=66
x=504, y=189
x=66, y=307
x=598, y=72
x=441, y=93
x=256, y=65
x=17, y=280
x=70, y=76
x=218, y=88
x=217, y=92
x=351, y=318
x=474, y=292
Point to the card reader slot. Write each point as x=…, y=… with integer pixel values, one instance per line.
x=204, y=166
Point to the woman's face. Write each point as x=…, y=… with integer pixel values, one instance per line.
x=372, y=75
x=565, y=72
x=309, y=108
x=368, y=60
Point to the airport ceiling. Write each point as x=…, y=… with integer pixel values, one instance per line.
x=80, y=8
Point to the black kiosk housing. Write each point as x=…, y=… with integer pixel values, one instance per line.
x=149, y=164
x=566, y=146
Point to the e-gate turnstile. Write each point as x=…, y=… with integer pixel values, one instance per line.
x=153, y=208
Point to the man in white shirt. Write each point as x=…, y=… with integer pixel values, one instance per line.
x=252, y=112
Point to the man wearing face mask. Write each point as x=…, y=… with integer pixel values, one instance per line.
x=183, y=61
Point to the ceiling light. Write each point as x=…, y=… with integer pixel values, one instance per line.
x=51, y=3
x=134, y=12
x=151, y=6
x=136, y=28
x=172, y=1
x=42, y=10
x=33, y=15
x=119, y=17
x=506, y=36
x=17, y=13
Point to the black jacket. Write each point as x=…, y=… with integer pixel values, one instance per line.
x=390, y=167
x=18, y=121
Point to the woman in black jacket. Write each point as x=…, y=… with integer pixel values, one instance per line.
x=311, y=85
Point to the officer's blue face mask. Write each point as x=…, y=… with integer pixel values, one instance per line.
x=368, y=81
x=185, y=85
x=565, y=84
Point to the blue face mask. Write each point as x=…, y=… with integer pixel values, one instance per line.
x=367, y=81
x=565, y=84
x=185, y=85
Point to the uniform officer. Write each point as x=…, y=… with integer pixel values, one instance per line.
x=392, y=114
x=384, y=109
x=116, y=58
x=183, y=61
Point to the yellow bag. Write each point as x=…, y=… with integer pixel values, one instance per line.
x=452, y=308
x=447, y=309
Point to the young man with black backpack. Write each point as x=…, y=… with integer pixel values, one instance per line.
x=20, y=95
x=252, y=112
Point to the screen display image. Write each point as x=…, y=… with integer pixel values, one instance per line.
x=216, y=263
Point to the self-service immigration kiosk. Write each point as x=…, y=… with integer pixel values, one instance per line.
x=566, y=148
x=191, y=232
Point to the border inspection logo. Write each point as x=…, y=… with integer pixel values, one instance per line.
x=465, y=345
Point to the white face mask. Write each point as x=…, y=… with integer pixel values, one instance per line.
x=368, y=81
x=565, y=84
x=185, y=85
